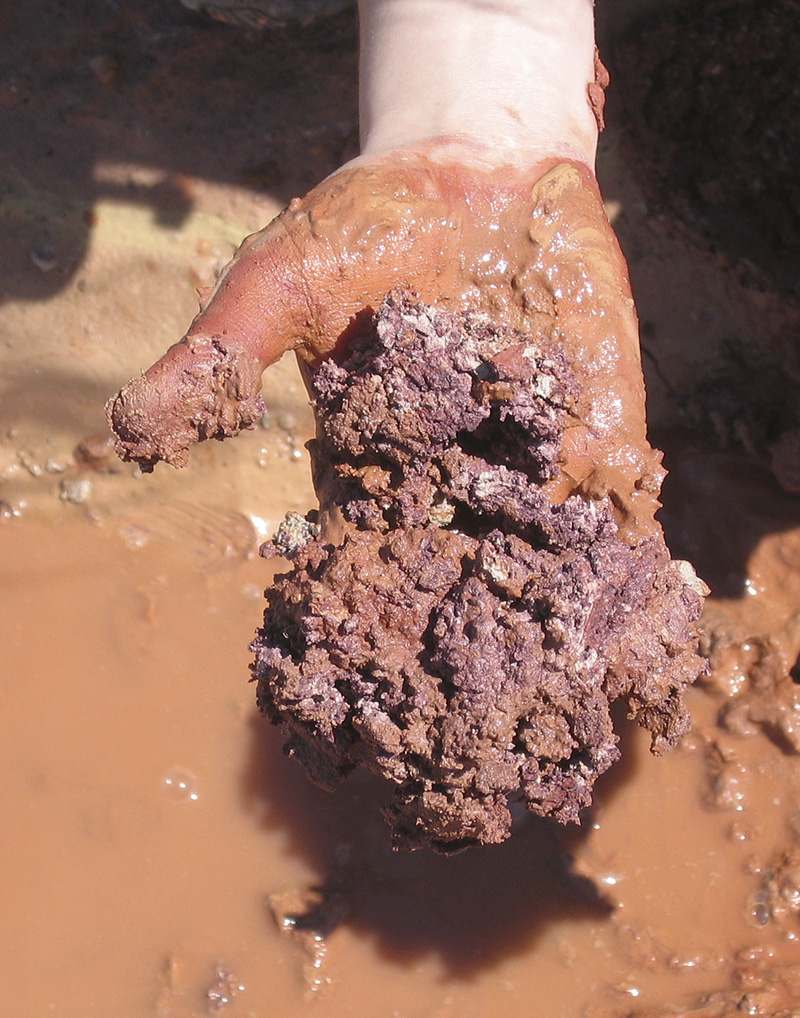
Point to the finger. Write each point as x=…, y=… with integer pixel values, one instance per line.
x=260, y=303
x=208, y=384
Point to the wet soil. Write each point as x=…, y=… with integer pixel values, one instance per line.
x=712, y=105
x=160, y=834
x=445, y=624
x=164, y=858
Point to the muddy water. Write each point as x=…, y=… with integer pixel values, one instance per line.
x=123, y=688
x=162, y=857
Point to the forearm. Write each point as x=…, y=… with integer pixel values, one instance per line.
x=507, y=77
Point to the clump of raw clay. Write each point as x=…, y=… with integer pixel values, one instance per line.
x=444, y=624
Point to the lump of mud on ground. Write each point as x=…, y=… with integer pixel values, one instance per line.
x=444, y=624
x=768, y=700
x=762, y=986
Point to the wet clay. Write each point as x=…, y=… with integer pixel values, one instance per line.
x=124, y=620
x=533, y=250
x=217, y=391
x=745, y=531
x=166, y=854
x=596, y=90
x=445, y=624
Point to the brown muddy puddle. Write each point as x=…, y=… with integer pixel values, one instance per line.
x=162, y=857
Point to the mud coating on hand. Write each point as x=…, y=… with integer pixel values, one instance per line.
x=444, y=624
x=213, y=393
x=596, y=90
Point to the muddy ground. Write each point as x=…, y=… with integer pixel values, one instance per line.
x=162, y=857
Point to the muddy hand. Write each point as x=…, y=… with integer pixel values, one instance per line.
x=475, y=189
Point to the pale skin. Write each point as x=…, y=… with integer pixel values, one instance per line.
x=474, y=188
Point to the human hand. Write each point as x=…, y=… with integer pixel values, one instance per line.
x=455, y=619
x=474, y=207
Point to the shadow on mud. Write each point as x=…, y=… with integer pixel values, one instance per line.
x=167, y=96
x=471, y=910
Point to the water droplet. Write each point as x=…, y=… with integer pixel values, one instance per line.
x=180, y=784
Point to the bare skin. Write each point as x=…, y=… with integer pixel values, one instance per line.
x=503, y=216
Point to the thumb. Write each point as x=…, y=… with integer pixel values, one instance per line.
x=207, y=385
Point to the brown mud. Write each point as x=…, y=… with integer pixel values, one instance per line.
x=445, y=624
x=137, y=157
x=531, y=248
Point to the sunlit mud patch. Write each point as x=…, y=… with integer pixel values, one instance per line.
x=445, y=624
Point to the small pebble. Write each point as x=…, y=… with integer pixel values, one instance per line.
x=77, y=492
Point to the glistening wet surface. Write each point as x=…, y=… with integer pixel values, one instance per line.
x=166, y=859
x=135, y=160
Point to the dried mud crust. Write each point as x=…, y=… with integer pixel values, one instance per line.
x=712, y=106
x=444, y=624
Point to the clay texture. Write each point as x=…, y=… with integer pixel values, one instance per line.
x=213, y=393
x=444, y=624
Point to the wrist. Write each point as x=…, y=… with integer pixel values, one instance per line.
x=497, y=79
